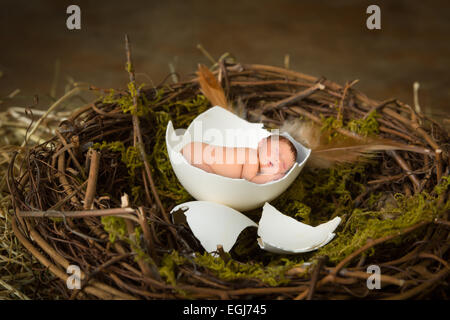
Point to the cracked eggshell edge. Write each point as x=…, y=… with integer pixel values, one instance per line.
x=279, y=233
x=213, y=224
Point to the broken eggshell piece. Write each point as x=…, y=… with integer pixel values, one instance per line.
x=218, y=126
x=279, y=233
x=214, y=224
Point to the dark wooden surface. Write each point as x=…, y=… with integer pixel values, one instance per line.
x=321, y=37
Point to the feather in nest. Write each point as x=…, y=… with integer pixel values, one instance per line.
x=325, y=152
x=211, y=88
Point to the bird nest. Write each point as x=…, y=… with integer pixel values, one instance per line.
x=97, y=196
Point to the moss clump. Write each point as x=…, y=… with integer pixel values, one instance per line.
x=132, y=160
x=272, y=274
x=116, y=228
x=115, y=146
x=365, y=127
x=303, y=211
x=129, y=155
x=169, y=263
x=329, y=123
x=136, y=193
x=317, y=195
x=181, y=113
x=363, y=225
x=155, y=119
x=442, y=187
x=126, y=101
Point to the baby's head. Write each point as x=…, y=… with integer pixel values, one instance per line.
x=276, y=154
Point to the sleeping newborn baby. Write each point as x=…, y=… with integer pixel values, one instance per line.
x=272, y=159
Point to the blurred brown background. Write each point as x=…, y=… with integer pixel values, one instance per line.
x=323, y=38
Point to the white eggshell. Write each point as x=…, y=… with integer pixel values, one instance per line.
x=279, y=233
x=218, y=126
x=213, y=224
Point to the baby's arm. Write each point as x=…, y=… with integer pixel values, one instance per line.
x=250, y=167
x=264, y=178
x=188, y=153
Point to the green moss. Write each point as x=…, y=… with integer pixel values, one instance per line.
x=443, y=186
x=129, y=67
x=272, y=274
x=115, y=146
x=365, y=127
x=136, y=193
x=317, y=195
x=181, y=112
x=303, y=211
x=115, y=226
x=132, y=160
x=130, y=156
x=168, y=266
x=125, y=101
x=329, y=123
x=363, y=225
x=117, y=230
x=373, y=199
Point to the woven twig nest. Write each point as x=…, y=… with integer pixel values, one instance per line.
x=69, y=210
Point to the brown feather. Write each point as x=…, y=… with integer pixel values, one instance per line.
x=327, y=152
x=211, y=88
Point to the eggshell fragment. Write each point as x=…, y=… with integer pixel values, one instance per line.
x=220, y=127
x=213, y=224
x=279, y=233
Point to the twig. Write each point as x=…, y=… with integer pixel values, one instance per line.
x=365, y=275
x=443, y=222
x=320, y=263
x=373, y=243
x=53, y=107
x=297, y=97
x=438, y=153
x=206, y=53
x=414, y=126
x=77, y=214
x=379, y=106
x=137, y=132
x=416, y=87
x=344, y=94
x=222, y=253
x=92, y=180
x=72, y=156
x=411, y=293
x=406, y=168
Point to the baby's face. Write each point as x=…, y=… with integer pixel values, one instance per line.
x=275, y=156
